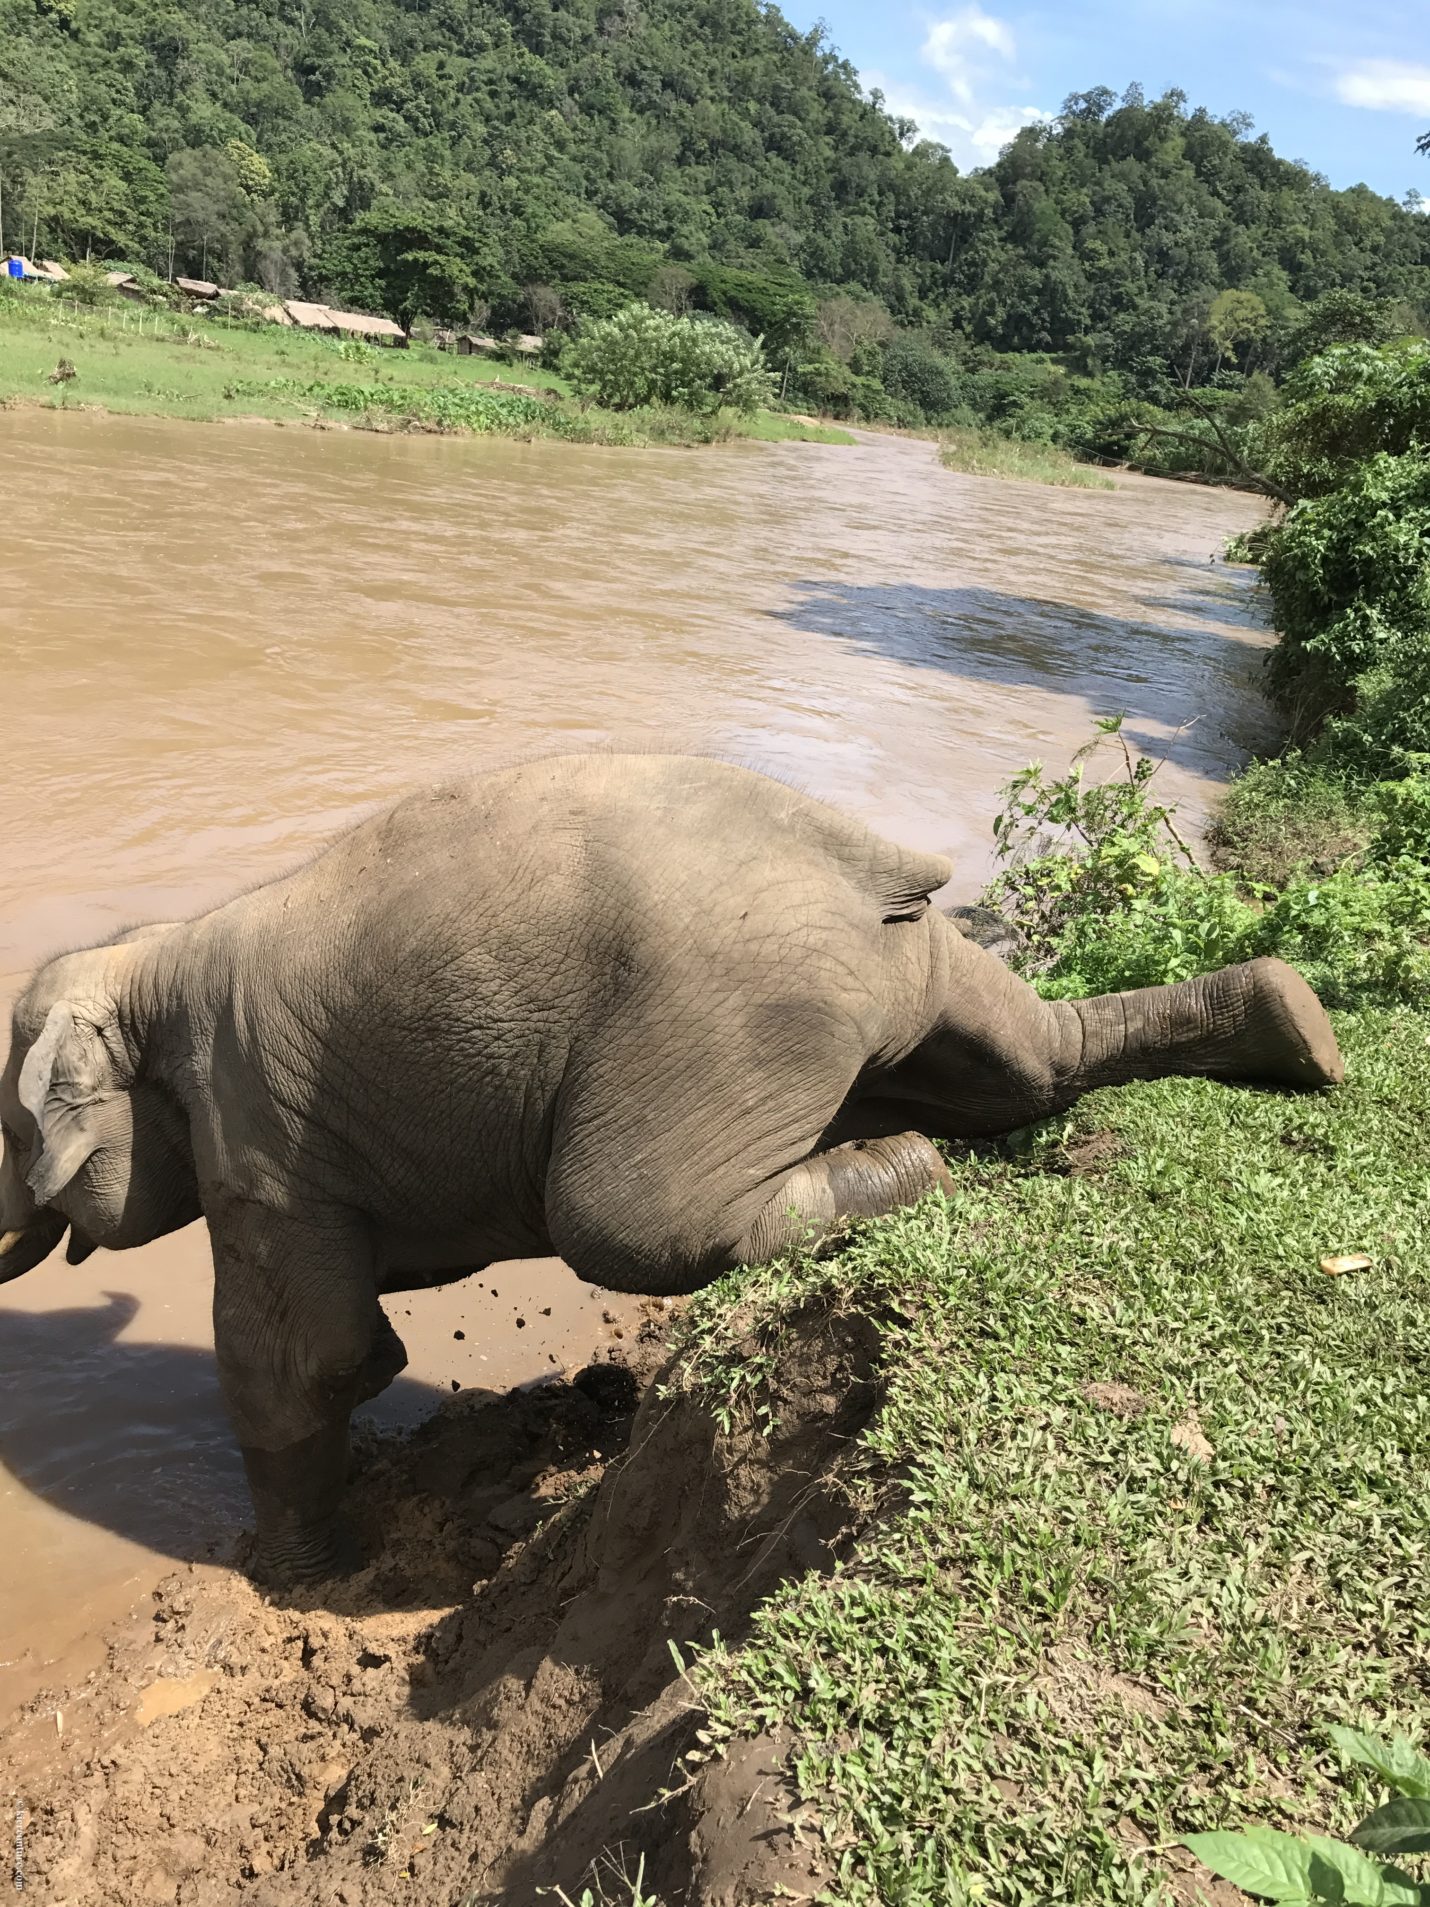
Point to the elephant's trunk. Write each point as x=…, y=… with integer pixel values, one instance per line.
x=28, y=1232
x=1256, y=1021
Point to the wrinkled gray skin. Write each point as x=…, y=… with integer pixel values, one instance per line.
x=658, y=1015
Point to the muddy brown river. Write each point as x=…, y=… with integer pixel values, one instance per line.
x=219, y=644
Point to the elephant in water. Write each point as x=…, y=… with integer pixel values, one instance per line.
x=657, y=1014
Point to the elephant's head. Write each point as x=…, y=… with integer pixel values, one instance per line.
x=91, y=1141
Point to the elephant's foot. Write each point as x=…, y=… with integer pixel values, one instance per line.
x=295, y=1492
x=325, y=1556
x=864, y=1179
x=1288, y=1031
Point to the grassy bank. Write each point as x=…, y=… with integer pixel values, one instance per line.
x=1143, y=1515
x=983, y=453
x=154, y=363
x=1144, y=1508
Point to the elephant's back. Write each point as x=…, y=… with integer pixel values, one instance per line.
x=651, y=830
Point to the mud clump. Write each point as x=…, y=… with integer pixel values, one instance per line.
x=491, y=1706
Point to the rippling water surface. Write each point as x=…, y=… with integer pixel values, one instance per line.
x=219, y=644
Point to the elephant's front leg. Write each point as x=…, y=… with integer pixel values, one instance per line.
x=295, y=1333
x=864, y=1179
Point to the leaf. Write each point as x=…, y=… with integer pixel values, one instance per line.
x=1303, y=1868
x=1397, y=1763
x=1147, y=864
x=1402, y=1826
x=1337, y=1266
x=1342, y=1873
x=1272, y=1866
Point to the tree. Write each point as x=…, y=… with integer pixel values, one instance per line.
x=672, y=288
x=407, y=265
x=210, y=214
x=1343, y=317
x=1236, y=318
x=915, y=374
x=845, y=324
x=544, y=307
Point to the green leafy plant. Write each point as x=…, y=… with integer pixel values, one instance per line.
x=1101, y=886
x=1105, y=894
x=641, y=356
x=1308, y=1870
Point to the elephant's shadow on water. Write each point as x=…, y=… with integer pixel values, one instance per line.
x=130, y=1436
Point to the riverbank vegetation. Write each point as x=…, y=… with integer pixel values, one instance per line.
x=987, y=453
x=151, y=360
x=1140, y=1513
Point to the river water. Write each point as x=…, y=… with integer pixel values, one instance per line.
x=219, y=644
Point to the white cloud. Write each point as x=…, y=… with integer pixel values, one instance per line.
x=1385, y=86
x=953, y=48
x=970, y=53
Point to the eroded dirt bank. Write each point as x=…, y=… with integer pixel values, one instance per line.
x=492, y=1706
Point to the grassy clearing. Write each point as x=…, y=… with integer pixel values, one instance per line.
x=146, y=363
x=983, y=453
x=1145, y=1507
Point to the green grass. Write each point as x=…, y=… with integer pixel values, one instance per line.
x=1082, y=1622
x=134, y=361
x=778, y=427
x=983, y=453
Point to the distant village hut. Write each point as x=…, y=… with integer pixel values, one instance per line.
x=47, y=272
x=352, y=324
x=471, y=344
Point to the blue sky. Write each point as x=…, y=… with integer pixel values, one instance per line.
x=1342, y=84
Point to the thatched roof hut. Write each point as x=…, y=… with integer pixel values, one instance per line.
x=356, y=324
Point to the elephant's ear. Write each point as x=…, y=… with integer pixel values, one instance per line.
x=62, y=1083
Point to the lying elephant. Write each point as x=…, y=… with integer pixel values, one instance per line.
x=656, y=1014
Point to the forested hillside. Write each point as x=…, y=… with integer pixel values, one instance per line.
x=429, y=156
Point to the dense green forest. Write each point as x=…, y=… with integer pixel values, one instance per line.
x=531, y=160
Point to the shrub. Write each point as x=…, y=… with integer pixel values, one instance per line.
x=1100, y=885
x=248, y=309
x=642, y=356
x=1361, y=934
x=917, y=378
x=1106, y=895
x=88, y=285
x=1349, y=576
x=1289, y=817
x=1343, y=407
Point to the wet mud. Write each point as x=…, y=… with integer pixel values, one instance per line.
x=492, y=1708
